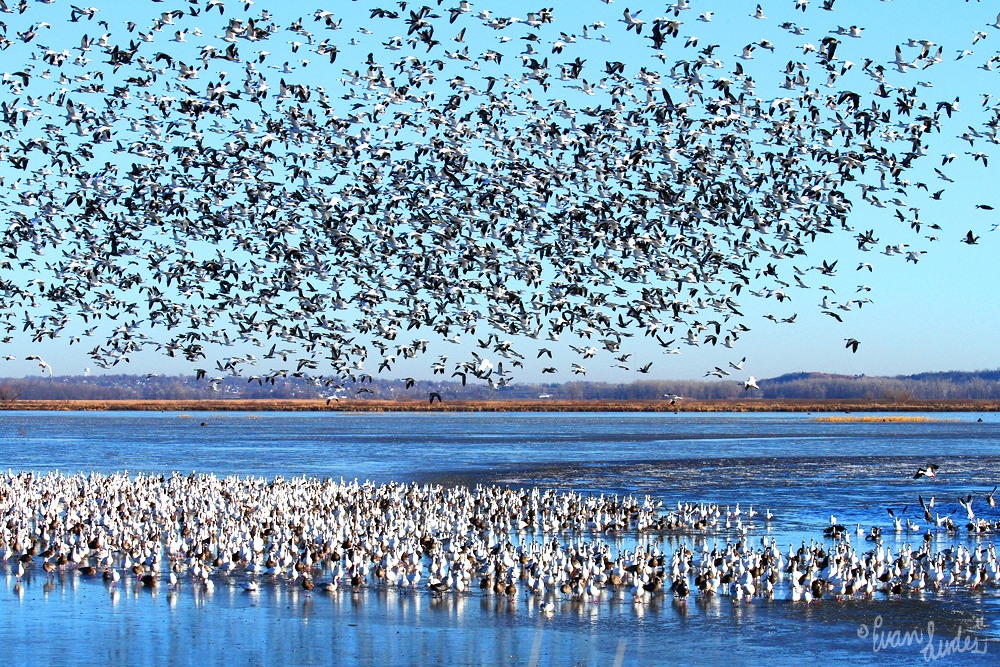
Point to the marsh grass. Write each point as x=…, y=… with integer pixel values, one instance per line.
x=881, y=418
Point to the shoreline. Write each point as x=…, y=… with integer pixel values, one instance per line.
x=687, y=405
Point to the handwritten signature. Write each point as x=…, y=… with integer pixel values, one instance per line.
x=962, y=642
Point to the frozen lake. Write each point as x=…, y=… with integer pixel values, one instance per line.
x=801, y=469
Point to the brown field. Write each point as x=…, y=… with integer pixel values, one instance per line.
x=882, y=418
x=745, y=405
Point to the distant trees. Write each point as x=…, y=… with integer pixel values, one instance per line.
x=981, y=385
x=9, y=393
x=927, y=386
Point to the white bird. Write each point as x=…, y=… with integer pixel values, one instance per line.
x=44, y=366
x=631, y=21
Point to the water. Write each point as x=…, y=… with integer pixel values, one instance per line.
x=801, y=469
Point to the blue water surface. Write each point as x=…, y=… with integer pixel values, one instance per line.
x=799, y=467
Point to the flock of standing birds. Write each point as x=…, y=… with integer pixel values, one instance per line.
x=202, y=531
x=239, y=186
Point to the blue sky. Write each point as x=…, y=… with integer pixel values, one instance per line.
x=939, y=313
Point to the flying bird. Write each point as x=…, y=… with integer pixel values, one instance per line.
x=604, y=213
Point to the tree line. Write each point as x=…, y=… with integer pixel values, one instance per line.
x=977, y=385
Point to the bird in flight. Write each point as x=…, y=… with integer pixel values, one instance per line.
x=241, y=176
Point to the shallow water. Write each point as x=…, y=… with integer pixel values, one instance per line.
x=801, y=469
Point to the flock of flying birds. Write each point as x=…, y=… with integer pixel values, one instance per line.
x=215, y=179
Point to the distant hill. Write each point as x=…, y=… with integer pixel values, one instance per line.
x=792, y=377
x=978, y=385
x=949, y=385
x=956, y=377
